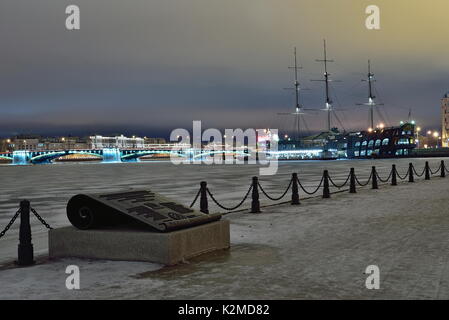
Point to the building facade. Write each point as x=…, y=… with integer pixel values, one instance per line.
x=154, y=140
x=37, y=143
x=122, y=142
x=445, y=120
x=21, y=143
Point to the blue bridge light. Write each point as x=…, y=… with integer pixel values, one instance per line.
x=20, y=157
x=111, y=155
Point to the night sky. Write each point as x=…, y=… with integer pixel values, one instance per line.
x=148, y=66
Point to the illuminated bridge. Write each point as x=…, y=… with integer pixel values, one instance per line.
x=24, y=157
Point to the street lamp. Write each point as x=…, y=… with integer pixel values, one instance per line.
x=436, y=135
x=418, y=130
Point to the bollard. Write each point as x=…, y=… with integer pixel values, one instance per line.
x=410, y=173
x=326, y=192
x=255, y=204
x=427, y=169
x=352, y=181
x=25, y=250
x=204, y=206
x=393, y=175
x=295, y=194
x=374, y=177
x=443, y=170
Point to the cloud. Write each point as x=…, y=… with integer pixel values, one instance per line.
x=156, y=65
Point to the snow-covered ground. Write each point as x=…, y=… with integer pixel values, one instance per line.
x=319, y=249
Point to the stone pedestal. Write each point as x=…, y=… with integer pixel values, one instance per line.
x=139, y=245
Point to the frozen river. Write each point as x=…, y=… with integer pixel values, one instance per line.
x=49, y=187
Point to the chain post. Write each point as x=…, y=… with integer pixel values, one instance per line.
x=427, y=169
x=352, y=181
x=410, y=173
x=326, y=192
x=295, y=194
x=393, y=175
x=374, y=177
x=443, y=170
x=25, y=249
x=204, y=206
x=255, y=204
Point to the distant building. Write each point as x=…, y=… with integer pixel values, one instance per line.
x=65, y=143
x=445, y=120
x=122, y=142
x=23, y=143
x=4, y=145
x=155, y=140
x=37, y=143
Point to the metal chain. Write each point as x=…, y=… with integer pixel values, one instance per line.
x=363, y=184
x=342, y=185
x=279, y=198
x=383, y=181
x=289, y=186
x=317, y=188
x=10, y=223
x=196, y=198
x=438, y=170
x=40, y=219
x=226, y=208
x=402, y=178
x=419, y=175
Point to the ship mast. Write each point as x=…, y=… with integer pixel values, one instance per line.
x=370, y=94
x=297, y=98
x=371, y=104
x=328, y=104
x=298, y=107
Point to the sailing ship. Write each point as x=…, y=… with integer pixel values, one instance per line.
x=380, y=141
